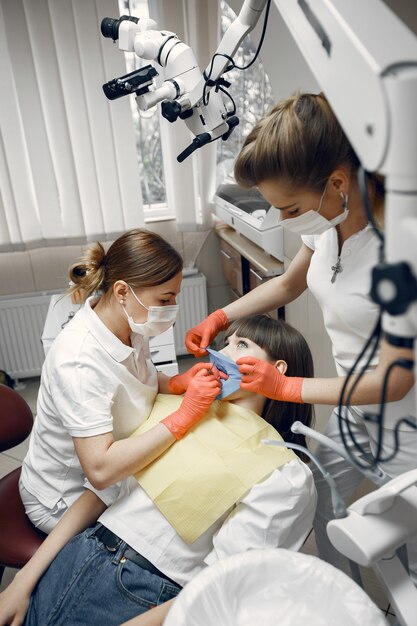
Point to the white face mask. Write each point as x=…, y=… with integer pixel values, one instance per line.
x=160, y=318
x=312, y=223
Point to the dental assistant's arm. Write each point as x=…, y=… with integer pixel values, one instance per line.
x=261, y=377
x=106, y=461
x=275, y=293
x=15, y=598
x=368, y=390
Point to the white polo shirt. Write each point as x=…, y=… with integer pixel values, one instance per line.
x=348, y=311
x=91, y=384
x=276, y=513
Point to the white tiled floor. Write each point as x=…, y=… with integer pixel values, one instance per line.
x=12, y=458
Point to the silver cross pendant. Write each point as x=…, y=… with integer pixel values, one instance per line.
x=336, y=269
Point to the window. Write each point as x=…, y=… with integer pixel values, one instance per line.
x=251, y=92
x=147, y=135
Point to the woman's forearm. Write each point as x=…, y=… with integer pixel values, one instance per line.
x=369, y=388
x=14, y=600
x=106, y=461
x=271, y=295
x=83, y=513
x=276, y=292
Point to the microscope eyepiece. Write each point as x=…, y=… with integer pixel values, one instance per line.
x=136, y=82
x=110, y=26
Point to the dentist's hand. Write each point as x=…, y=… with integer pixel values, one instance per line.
x=178, y=384
x=263, y=378
x=14, y=602
x=201, y=336
x=200, y=395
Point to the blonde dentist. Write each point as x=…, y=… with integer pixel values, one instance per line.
x=98, y=382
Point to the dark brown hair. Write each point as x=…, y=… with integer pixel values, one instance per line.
x=140, y=257
x=281, y=341
x=300, y=142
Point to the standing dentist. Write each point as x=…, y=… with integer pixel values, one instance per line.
x=98, y=382
x=301, y=161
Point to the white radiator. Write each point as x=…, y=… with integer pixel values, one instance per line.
x=193, y=308
x=22, y=318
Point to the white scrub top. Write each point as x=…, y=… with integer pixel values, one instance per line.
x=276, y=513
x=348, y=311
x=91, y=384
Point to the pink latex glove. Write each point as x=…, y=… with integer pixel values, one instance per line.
x=179, y=384
x=263, y=378
x=200, y=395
x=201, y=336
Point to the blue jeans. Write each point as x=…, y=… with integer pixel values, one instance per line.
x=88, y=585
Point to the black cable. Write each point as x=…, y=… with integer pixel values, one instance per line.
x=344, y=421
x=375, y=338
x=378, y=457
x=268, y=6
x=215, y=83
x=223, y=90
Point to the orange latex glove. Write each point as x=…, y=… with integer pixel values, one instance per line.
x=201, y=336
x=179, y=383
x=200, y=395
x=263, y=378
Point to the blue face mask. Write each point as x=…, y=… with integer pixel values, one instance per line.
x=230, y=368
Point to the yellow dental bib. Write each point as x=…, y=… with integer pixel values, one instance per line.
x=201, y=476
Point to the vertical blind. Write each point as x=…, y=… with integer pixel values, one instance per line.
x=190, y=185
x=68, y=160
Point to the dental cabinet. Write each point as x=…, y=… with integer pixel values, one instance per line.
x=245, y=265
x=61, y=310
x=251, y=239
x=249, y=214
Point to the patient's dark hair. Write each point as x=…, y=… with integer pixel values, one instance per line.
x=281, y=341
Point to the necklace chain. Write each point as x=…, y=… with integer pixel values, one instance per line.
x=337, y=268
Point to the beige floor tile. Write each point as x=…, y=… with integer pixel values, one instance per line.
x=373, y=588
x=8, y=464
x=8, y=576
x=369, y=579
x=28, y=389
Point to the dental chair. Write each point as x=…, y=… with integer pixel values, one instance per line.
x=270, y=587
x=19, y=539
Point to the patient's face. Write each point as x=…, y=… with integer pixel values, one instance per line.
x=240, y=346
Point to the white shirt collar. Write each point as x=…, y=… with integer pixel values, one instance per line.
x=108, y=340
